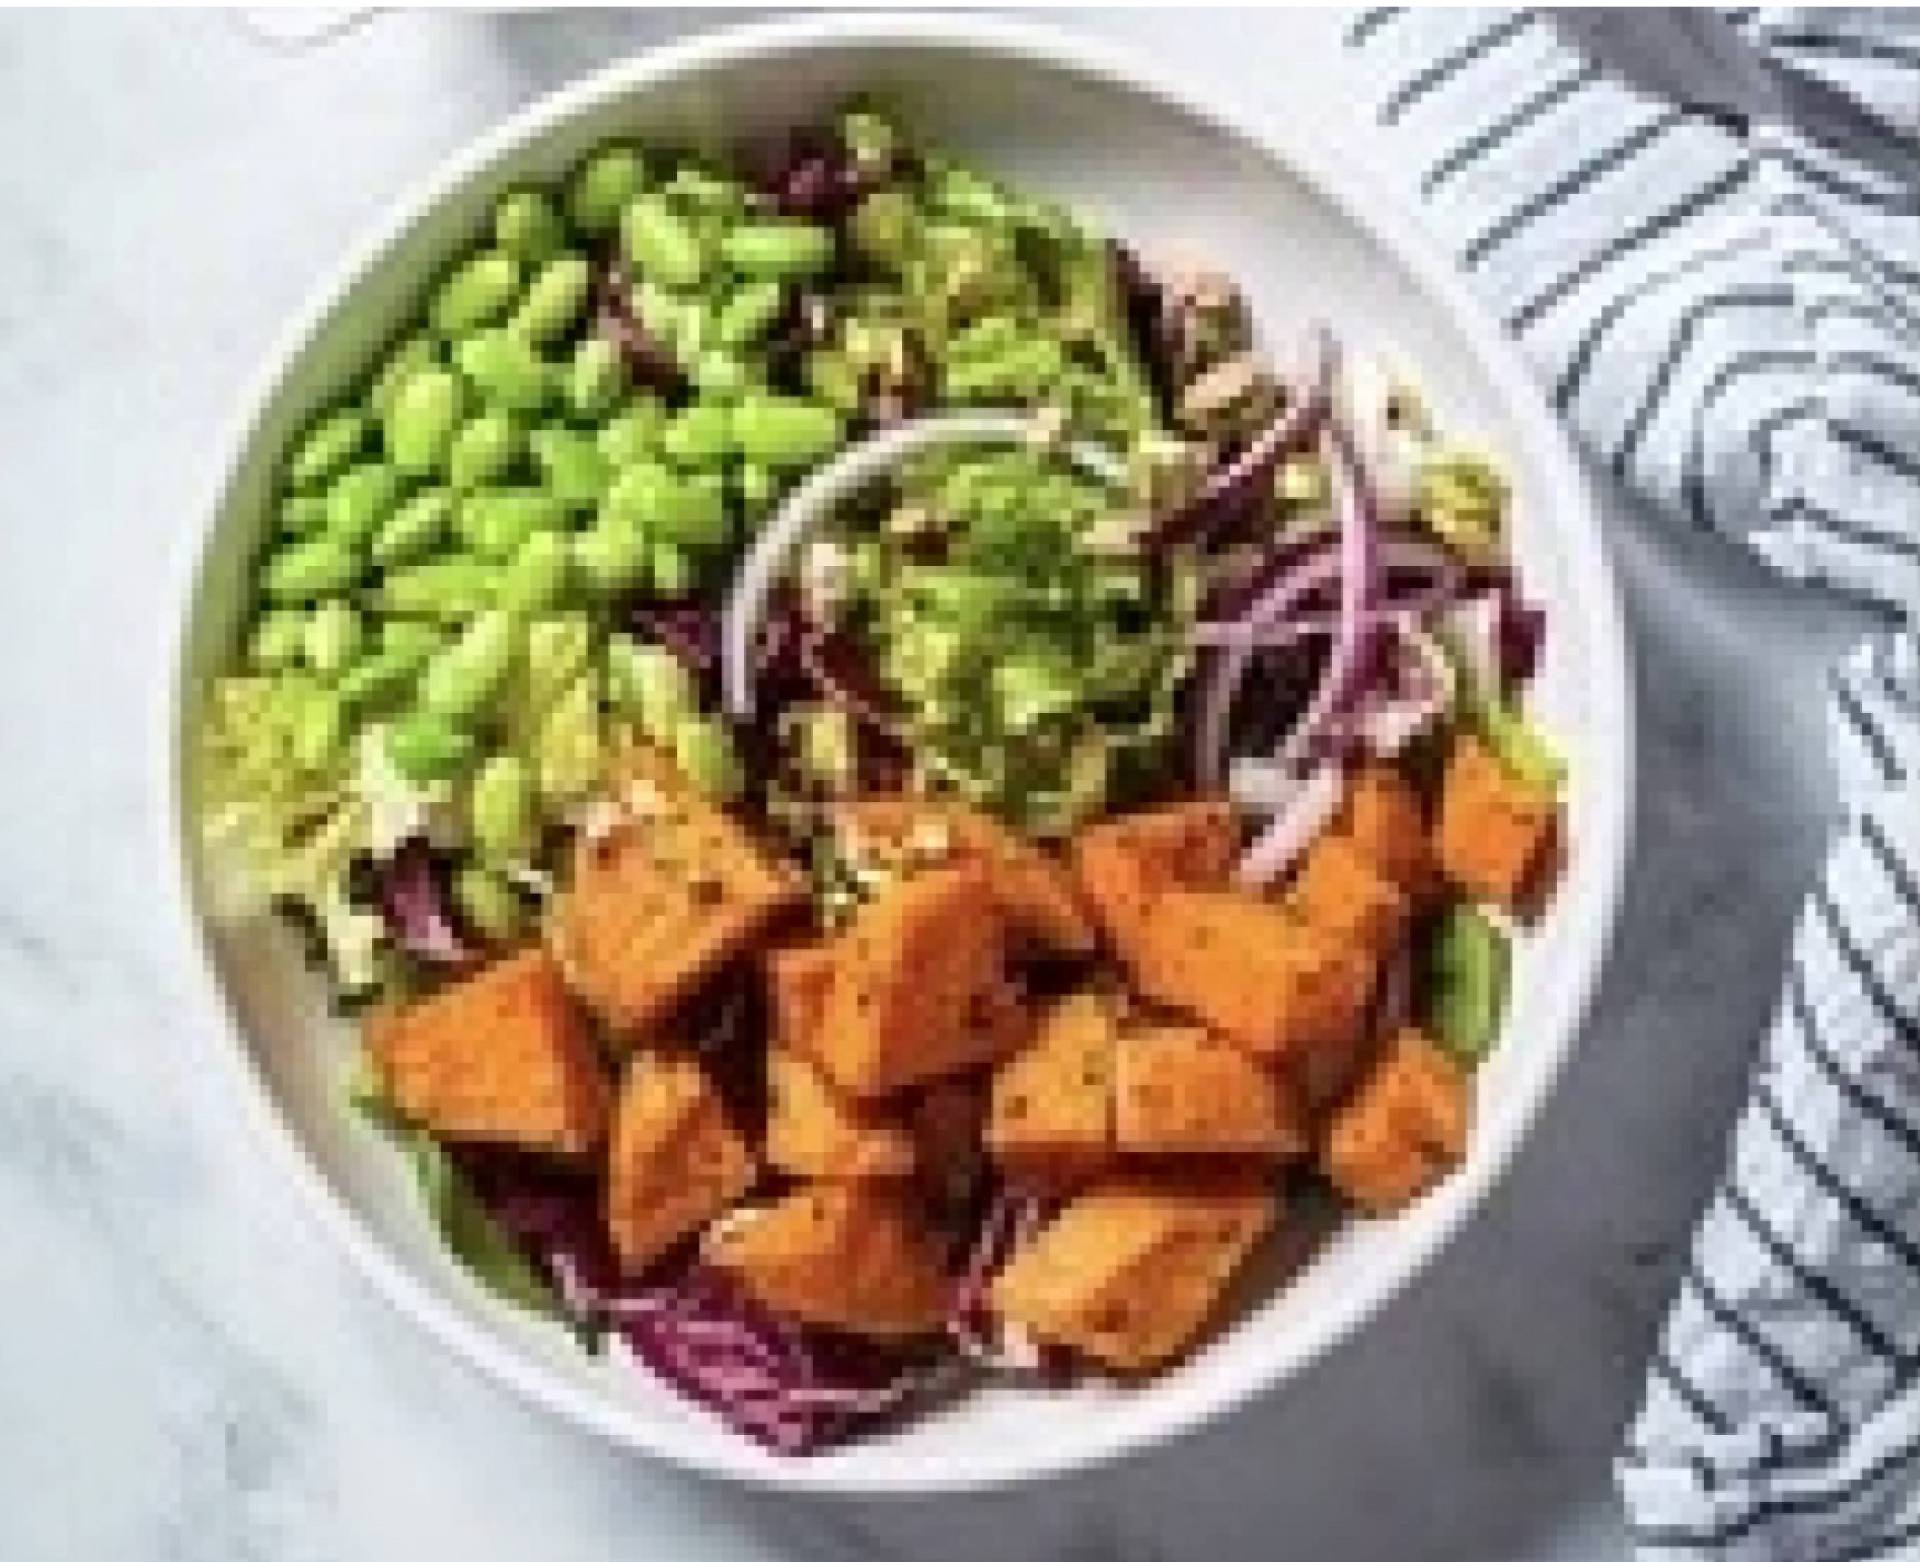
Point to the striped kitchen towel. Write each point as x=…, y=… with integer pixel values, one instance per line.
x=1729, y=319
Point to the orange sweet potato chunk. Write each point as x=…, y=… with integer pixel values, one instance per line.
x=677, y=1162
x=1254, y=974
x=857, y=1256
x=1386, y=820
x=501, y=1056
x=1035, y=891
x=919, y=988
x=1124, y=865
x=1053, y=1100
x=662, y=892
x=1342, y=893
x=1179, y=1091
x=1403, y=1129
x=1130, y=1272
x=814, y=1131
x=1497, y=831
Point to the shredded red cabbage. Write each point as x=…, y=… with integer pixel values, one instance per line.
x=791, y=1388
x=414, y=889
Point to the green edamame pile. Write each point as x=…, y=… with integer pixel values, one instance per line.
x=595, y=405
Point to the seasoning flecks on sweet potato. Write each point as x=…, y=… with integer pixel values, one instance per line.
x=1343, y=894
x=1124, y=865
x=1052, y=1102
x=662, y=891
x=919, y=987
x=856, y=1256
x=1386, y=819
x=1035, y=891
x=1254, y=974
x=815, y=1131
x=500, y=1056
x=676, y=1162
x=1179, y=1091
x=1402, y=1129
x=1130, y=1272
x=1497, y=830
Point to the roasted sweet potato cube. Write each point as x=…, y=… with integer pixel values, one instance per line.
x=799, y=978
x=664, y=889
x=1035, y=891
x=1385, y=818
x=1402, y=1129
x=501, y=1056
x=677, y=1161
x=1052, y=1102
x=1124, y=865
x=814, y=1131
x=918, y=987
x=1343, y=894
x=1130, y=1271
x=1179, y=1091
x=1254, y=974
x=857, y=1256
x=1497, y=831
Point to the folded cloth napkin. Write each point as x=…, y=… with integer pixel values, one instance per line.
x=1728, y=316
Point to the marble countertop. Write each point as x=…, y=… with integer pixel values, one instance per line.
x=187, y=1369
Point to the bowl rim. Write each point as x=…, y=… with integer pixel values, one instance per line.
x=1156, y=1415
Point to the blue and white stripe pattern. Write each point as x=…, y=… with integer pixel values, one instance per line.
x=1730, y=321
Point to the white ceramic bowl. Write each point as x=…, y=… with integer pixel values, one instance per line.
x=1156, y=164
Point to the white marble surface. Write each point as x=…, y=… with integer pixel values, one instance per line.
x=187, y=1370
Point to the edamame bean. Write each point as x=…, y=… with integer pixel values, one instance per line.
x=410, y=640
x=650, y=684
x=535, y=579
x=756, y=488
x=483, y=451
x=699, y=435
x=500, y=809
x=529, y=227
x=602, y=186
x=633, y=435
x=306, y=570
x=784, y=432
x=749, y=310
x=361, y=498
x=319, y=729
x=424, y=746
x=554, y=299
x=719, y=376
x=415, y=529
x=334, y=636
x=571, y=466
x=278, y=641
x=596, y=379
x=661, y=244
x=778, y=249
x=462, y=678
x=685, y=508
x=611, y=555
x=411, y=355
x=421, y=422
x=379, y=679
x=507, y=368
x=477, y=292
x=489, y=903
x=327, y=446
x=446, y=589
x=301, y=513
x=884, y=229
x=672, y=569
x=495, y=521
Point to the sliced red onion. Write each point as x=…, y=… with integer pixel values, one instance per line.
x=1398, y=601
x=826, y=489
x=1013, y=1218
x=1472, y=628
x=1423, y=692
x=1291, y=831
